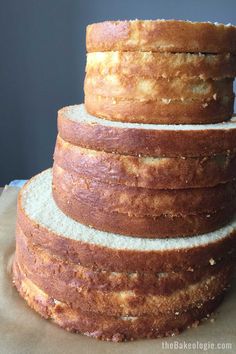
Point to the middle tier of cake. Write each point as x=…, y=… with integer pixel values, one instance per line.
x=139, y=195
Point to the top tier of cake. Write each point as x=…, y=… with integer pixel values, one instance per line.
x=161, y=36
x=161, y=72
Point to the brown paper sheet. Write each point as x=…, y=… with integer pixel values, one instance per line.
x=24, y=331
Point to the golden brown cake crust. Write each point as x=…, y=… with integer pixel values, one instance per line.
x=128, y=303
x=137, y=201
x=158, y=111
x=41, y=261
x=163, y=173
x=160, y=36
x=124, y=260
x=146, y=142
x=163, y=226
x=162, y=65
x=103, y=326
x=118, y=86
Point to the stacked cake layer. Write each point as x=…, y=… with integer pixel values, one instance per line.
x=132, y=234
x=135, y=72
x=139, y=195
x=134, y=287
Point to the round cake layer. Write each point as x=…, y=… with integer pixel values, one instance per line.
x=46, y=226
x=103, y=326
x=161, y=36
x=161, y=65
x=163, y=226
x=78, y=127
x=128, y=303
x=147, y=172
x=138, y=201
x=161, y=111
x=41, y=261
x=124, y=87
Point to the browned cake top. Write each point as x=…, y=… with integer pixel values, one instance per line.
x=161, y=36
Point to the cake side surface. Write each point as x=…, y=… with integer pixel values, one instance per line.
x=78, y=127
x=161, y=35
x=44, y=224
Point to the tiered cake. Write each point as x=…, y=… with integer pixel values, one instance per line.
x=133, y=234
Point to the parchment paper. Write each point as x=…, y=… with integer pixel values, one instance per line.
x=24, y=331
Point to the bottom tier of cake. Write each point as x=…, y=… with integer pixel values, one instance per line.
x=103, y=326
x=115, y=287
